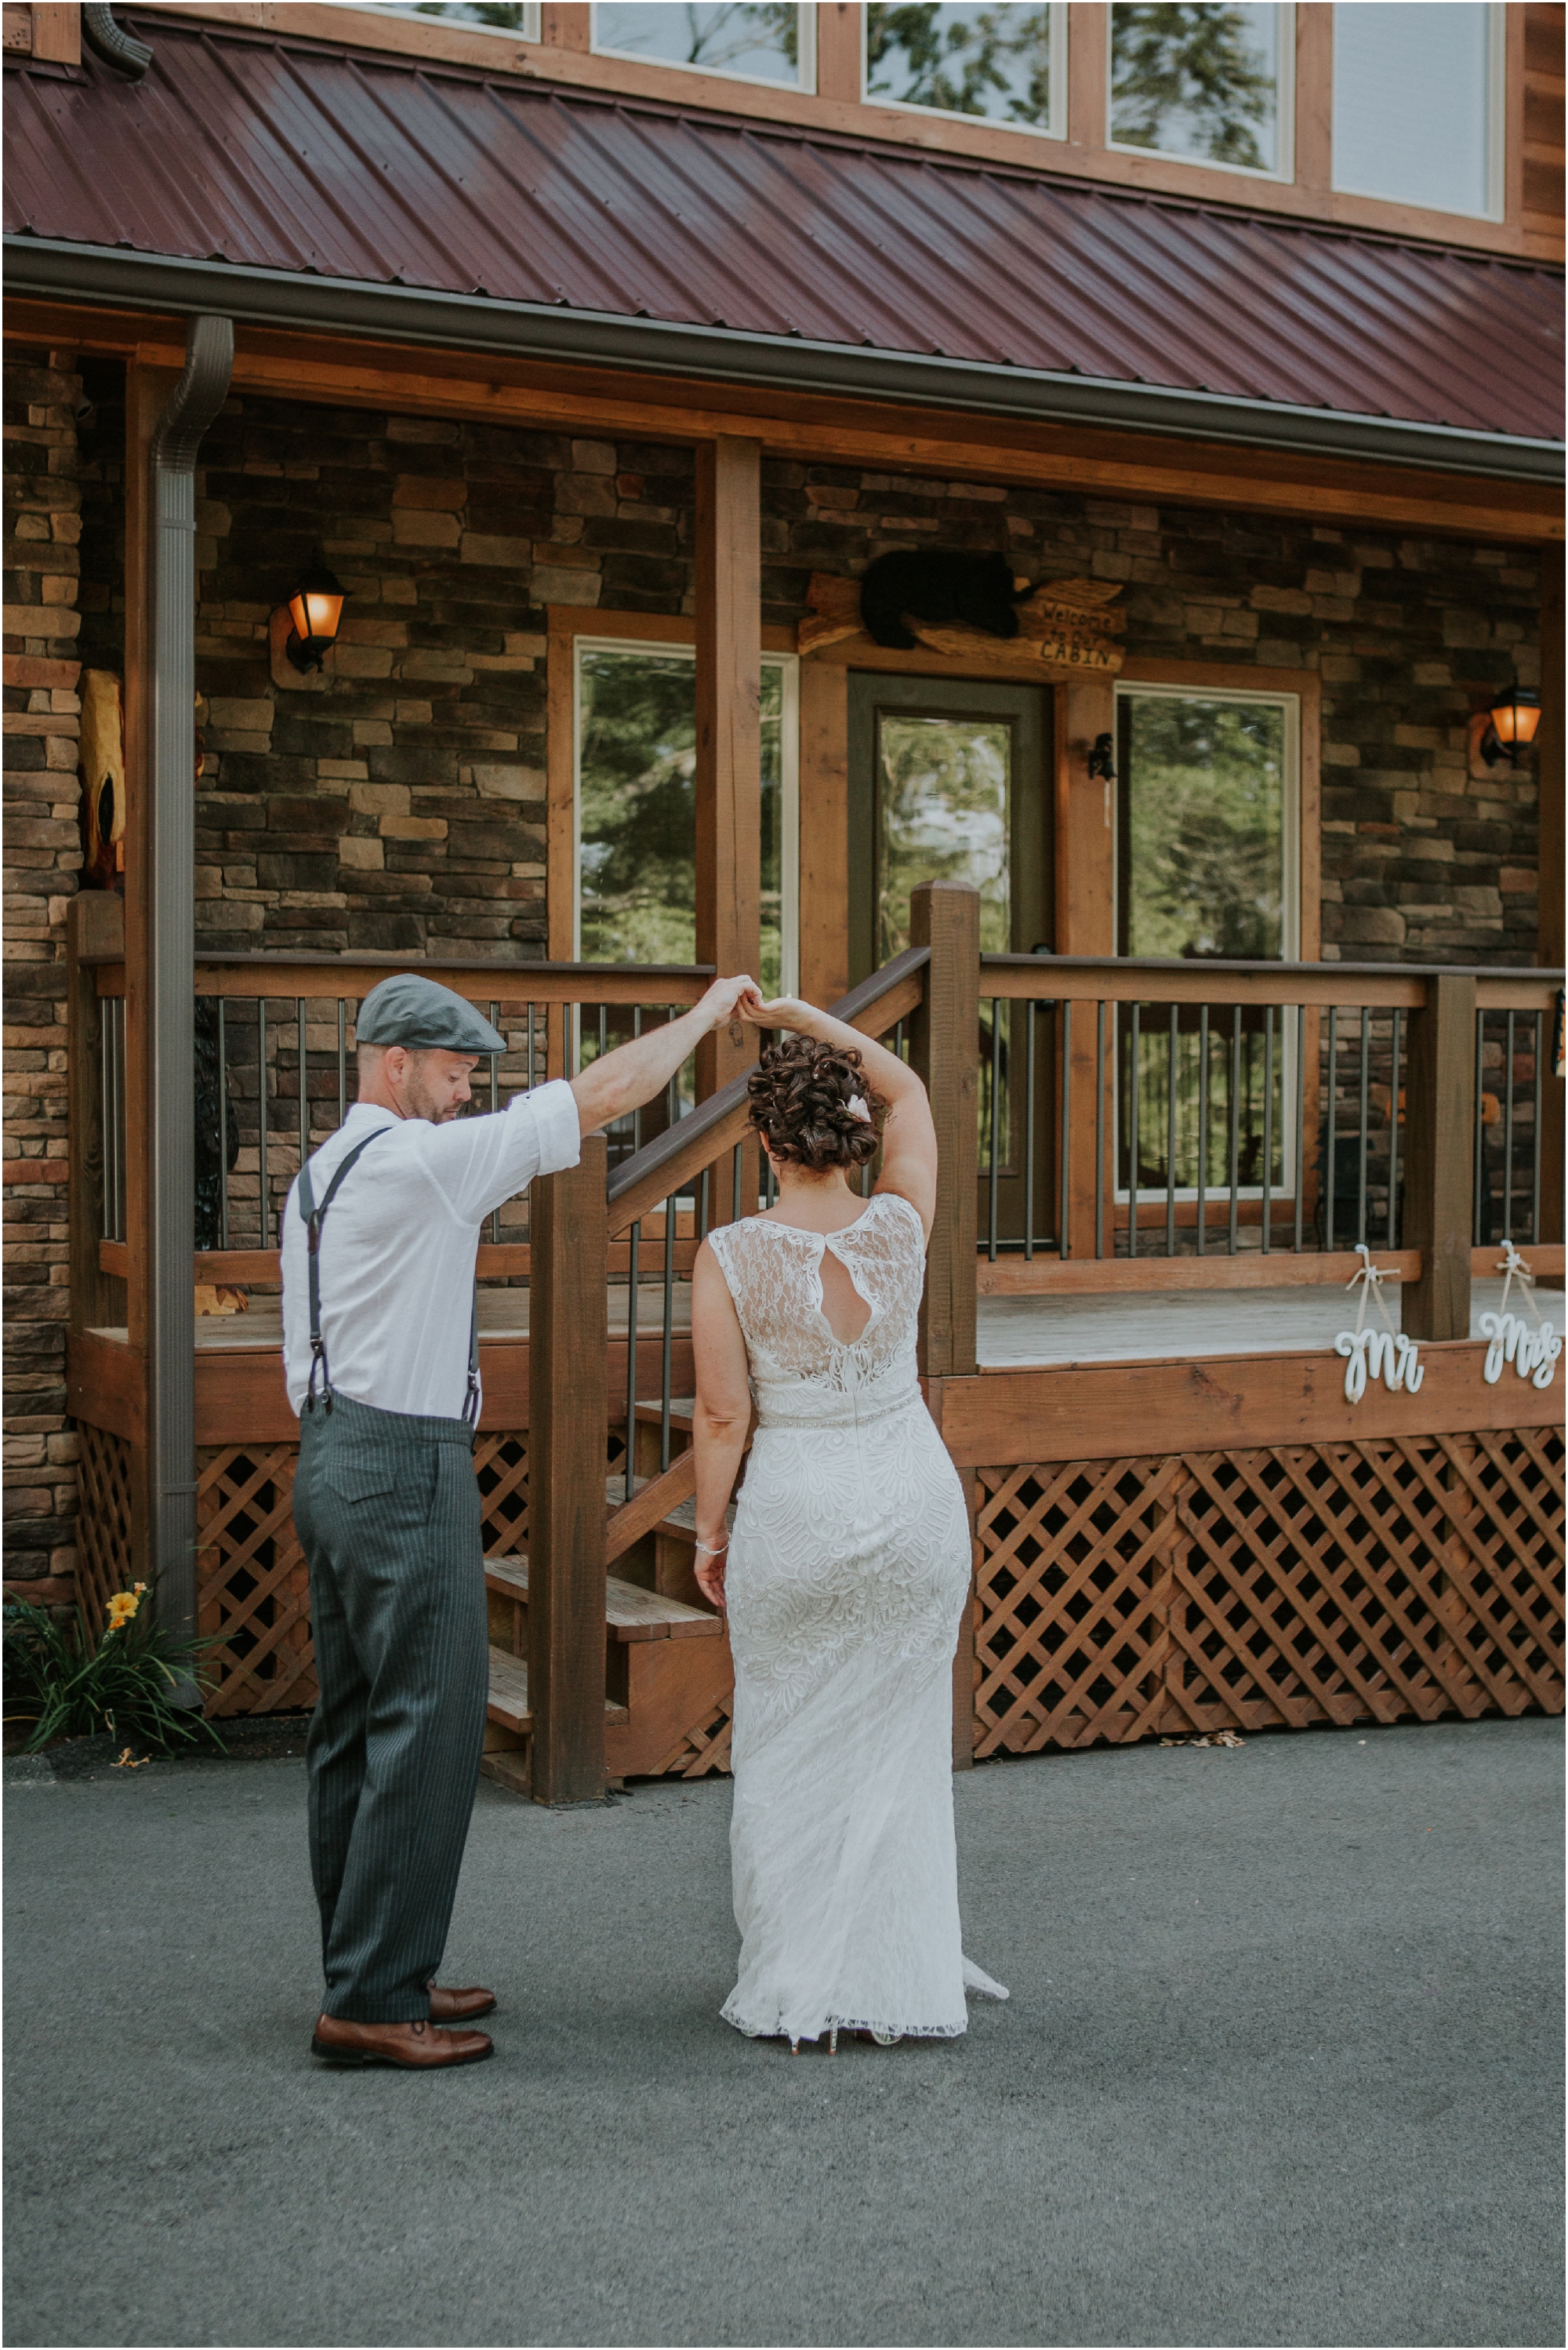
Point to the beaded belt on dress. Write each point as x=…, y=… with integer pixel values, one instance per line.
x=833, y=1410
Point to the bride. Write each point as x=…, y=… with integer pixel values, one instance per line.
x=848, y=1572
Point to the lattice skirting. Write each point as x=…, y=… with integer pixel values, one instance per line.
x=704, y=1749
x=1399, y=1578
x=252, y=1584
x=104, y=1559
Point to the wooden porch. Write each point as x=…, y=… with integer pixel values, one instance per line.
x=1181, y=1520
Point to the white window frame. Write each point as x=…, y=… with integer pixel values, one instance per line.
x=1496, y=134
x=788, y=664
x=529, y=31
x=1059, y=36
x=1290, y=920
x=804, y=83
x=1285, y=172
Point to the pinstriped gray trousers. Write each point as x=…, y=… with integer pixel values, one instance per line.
x=387, y=1507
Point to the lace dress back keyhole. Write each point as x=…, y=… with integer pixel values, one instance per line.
x=849, y=1574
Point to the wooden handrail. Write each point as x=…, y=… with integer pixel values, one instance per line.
x=681, y=1152
x=323, y=978
x=1126, y=979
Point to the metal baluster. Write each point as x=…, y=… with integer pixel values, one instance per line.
x=702, y=1205
x=1301, y=1122
x=531, y=1047
x=1099, y=1130
x=1480, y=1153
x=1133, y=1140
x=1202, y=1128
x=261, y=1112
x=898, y=1039
x=664, y=1368
x=567, y=1026
x=671, y=1091
x=1268, y=1122
x=735, y=1208
x=1065, y=1177
x=222, y=1131
x=1394, y=1044
x=303, y=1081
x=633, y=1237
x=1508, y=1131
x=1235, y=1117
x=1535, y=1147
x=995, y=1099
x=1029, y=1009
x=342, y=1059
x=1334, y=1119
x=1170, y=1041
x=1364, y=1113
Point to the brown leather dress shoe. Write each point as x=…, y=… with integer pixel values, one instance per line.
x=415, y=2047
x=459, y=2006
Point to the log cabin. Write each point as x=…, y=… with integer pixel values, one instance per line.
x=446, y=451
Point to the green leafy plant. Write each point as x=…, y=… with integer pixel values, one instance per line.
x=128, y=1680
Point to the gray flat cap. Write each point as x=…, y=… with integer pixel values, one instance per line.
x=419, y=1013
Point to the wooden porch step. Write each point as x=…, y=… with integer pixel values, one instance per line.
x=630, y=1612
x=508, y=1705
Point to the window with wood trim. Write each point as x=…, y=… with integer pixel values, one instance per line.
x=636, y=831
x=518, y=19
x=1208, y=869
x=1418, y=105
x=1006, y=64
x=1204, y=84
x=749, y=40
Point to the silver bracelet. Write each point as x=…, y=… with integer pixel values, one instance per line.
x=714, y=1550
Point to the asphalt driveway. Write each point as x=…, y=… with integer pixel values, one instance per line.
x=1281, y=2065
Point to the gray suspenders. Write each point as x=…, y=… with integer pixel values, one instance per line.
x=314, y=1218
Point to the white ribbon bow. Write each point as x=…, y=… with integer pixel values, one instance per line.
x=856, y=1108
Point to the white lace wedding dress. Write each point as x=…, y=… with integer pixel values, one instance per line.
x=849, y=1574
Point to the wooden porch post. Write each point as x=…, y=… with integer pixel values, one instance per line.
x=1439, y=1181
x=729, y=754
x=569, y=1414
x=1550, y=883
x=1086, y=925
x=945, y=1050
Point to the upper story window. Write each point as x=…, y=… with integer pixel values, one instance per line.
x=754, y=40
x=520, y=18
x=1417, y=94
x=970, y=57
x=1207, y=84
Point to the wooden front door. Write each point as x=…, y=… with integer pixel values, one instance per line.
x=951, y=780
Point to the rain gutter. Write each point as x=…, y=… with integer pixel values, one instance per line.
x=405, y=314
x=169, y=886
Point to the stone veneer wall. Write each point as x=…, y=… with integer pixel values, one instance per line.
x=42, y=857
x=404, y=807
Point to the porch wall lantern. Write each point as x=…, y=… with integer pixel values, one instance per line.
x=316, y=607
x=1511, y=722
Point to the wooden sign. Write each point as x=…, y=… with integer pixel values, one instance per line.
x=1066, y=628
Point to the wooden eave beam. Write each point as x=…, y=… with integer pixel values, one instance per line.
x=417, y=379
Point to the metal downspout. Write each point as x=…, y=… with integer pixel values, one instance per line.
x=170, y=956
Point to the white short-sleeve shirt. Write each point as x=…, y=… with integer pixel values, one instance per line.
x=398, y=1243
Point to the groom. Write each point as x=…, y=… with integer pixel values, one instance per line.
x=382, y=1359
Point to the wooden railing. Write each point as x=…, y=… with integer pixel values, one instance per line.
x=1249, y=1121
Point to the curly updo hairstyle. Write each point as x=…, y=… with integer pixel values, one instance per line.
x=800, y=1093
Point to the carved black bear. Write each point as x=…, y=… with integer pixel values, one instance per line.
x=940, y=588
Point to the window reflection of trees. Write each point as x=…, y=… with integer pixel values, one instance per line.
x=962, y=59
x=1199, y=80
x=744, y=36
x=1200, y=876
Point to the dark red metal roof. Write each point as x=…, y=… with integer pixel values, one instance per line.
x=275, y=153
